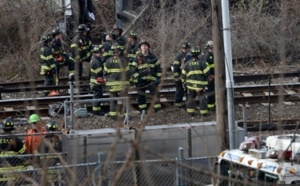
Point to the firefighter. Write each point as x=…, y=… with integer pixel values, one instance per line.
x=32, y=141
x=117, y=37
x=10, y=146
x=107, y=47
x=179, y=62
x=132, y=47
x=81, y=48
x=131, y=51
x=97, y=80
x=209, y=58
x=116, y=71
x=61, y=57
x=51, y=143
x=147, y=75
x=194, y=78
x=48, y=66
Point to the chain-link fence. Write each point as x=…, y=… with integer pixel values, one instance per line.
x=54, y=168
x=187, y=171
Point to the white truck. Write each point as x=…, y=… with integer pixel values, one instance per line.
x=275, y=162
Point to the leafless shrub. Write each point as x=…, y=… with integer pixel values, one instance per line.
x=23, y=23
x=264, y=29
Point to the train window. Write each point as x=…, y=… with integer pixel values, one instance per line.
x=243, y=173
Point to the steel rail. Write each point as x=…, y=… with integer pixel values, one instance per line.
x=168, y=93
x=237, y=78
x=276, y=124
x=167, y=84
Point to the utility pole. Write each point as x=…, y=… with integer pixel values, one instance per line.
x=232, y=128
x=220, y=93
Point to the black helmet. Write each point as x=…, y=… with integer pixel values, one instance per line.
x=133, y=34
x=51, y=126
x=117, y=27
x=8, y=124
x=115, y=48
x=185, y=45
x=82, y=28
x=56, y=31
x=46, y=38
x=97, y=49
x=144, y=42
x=195, y=51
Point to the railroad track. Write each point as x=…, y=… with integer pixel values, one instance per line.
x=237, y=78
x=249, y=94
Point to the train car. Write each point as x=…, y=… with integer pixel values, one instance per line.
x=275, y=162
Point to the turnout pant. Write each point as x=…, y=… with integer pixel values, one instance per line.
x=142, y=100
x=114, y=109
x=211, y=95
x=97, y=94
x=49, y=81
x=179, y=94
x=191, y=94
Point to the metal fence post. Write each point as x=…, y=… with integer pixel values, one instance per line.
x=65, y=114
x=71, y=83
x=245, y=121
x=179, y=170
x=100, y=159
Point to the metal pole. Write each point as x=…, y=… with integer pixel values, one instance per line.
x=189, y=142
x=179, y=171
x=127, y=112
x=245, y=121
x=100, y=157
x=229, y=74
x=65, y=114
x=269, y=100
x=71, y=83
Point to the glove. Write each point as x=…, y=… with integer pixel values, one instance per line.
x=100, y=80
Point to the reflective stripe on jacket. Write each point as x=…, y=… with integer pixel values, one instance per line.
x=194, y=74
x=116, y=73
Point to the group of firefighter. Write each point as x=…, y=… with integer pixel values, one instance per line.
x=15, y=154
x=118, y=63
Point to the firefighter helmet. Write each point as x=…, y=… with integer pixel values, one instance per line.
x=82, y=28
x=56, y=31
x=51, y=126
x=133, y=34
x=185, y=45
x=115, y=48
x=8, y=124
x=117, y=27
x=46, y=38
x=34, y=118
x=195, y=51
x=209, y=44
x=97, y=49
x=144, y=42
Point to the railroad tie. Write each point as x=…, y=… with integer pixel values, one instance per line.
x=8, y=109
x=267, y=94
x=290, y=92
